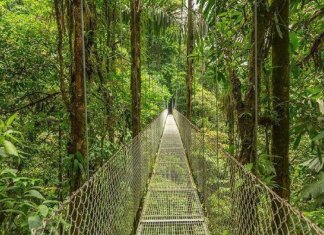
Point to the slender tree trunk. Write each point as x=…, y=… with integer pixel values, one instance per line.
x=78, y=145
x=70, y=24
x=136, y=66
x=247, y=196
x=111, y=21
x=267, y=130
x=190, y=61
x=247, y=130
x=231, y=133
x=60, y=174
x=59, y=14
x=90, y=25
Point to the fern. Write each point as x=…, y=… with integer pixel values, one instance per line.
x=315, y=189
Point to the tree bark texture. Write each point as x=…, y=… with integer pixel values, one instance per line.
x=280, y=92
x=78, y=145
x=246, y=108
x=90, y=26
x=59, y=15
x=190, y=61
x=136, y=66
x=111, y=21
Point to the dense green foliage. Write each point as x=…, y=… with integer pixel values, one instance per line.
x=232, y=40
x=34, y=131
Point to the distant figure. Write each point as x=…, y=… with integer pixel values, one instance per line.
x=170, y=105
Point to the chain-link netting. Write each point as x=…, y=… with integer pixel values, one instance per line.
x=109, y=201
x=172, y=205
x=236, y=201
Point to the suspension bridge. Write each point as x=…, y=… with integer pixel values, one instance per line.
x=173, y=180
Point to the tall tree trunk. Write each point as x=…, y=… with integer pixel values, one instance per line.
x=246, y=115
x=136, y=66
x=280, y=92
x=247, y=122
x=190, y=48
x=246, y=108
x=111, y=21
x=78, y=135
x=135, y=6
x=78, y=144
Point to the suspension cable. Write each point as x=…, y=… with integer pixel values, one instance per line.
x=256, y=90
x=216, y=84
x=216, y=97
x=179, y=56
x=85, y=92
x=203, y=106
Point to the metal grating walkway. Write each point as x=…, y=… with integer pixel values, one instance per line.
x=172, y=206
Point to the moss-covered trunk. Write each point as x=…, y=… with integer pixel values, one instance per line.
x=78, y=145
x=136, y=66
x=190, y=48
x=280, y=92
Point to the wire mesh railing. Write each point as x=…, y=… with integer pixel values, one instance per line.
x=108, y=203
x=236, y=202
x=172, y=205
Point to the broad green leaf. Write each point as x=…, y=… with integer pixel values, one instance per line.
x=35, y=194
x=14, y=211
x=43, y=210
x=50, y=202
x=10, y=148
x=11, y=119
x=294, y=41
x=11, y=172
x=319, y=136
x=297, y=141
x=249, y=167
x=3, y=152
x=314, y=164
x=34, y=221
x=315, y=189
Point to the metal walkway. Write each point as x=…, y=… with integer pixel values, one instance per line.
x=172, y=206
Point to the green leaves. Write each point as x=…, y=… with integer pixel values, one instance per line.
x=11, y=172
x=316, y=164
x=35, y=194
x=7, y=148
x=319, y=136
x=21, y=199
x=43, y=210
x=10, y=148
x=249, y=167
x=315, y=189
x=34, y=221
x=11, y=119
x=294, y=41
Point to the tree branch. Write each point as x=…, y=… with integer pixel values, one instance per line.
x=50, y=96
x=314, y=49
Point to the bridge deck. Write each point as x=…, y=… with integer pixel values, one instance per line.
x=172, y=206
